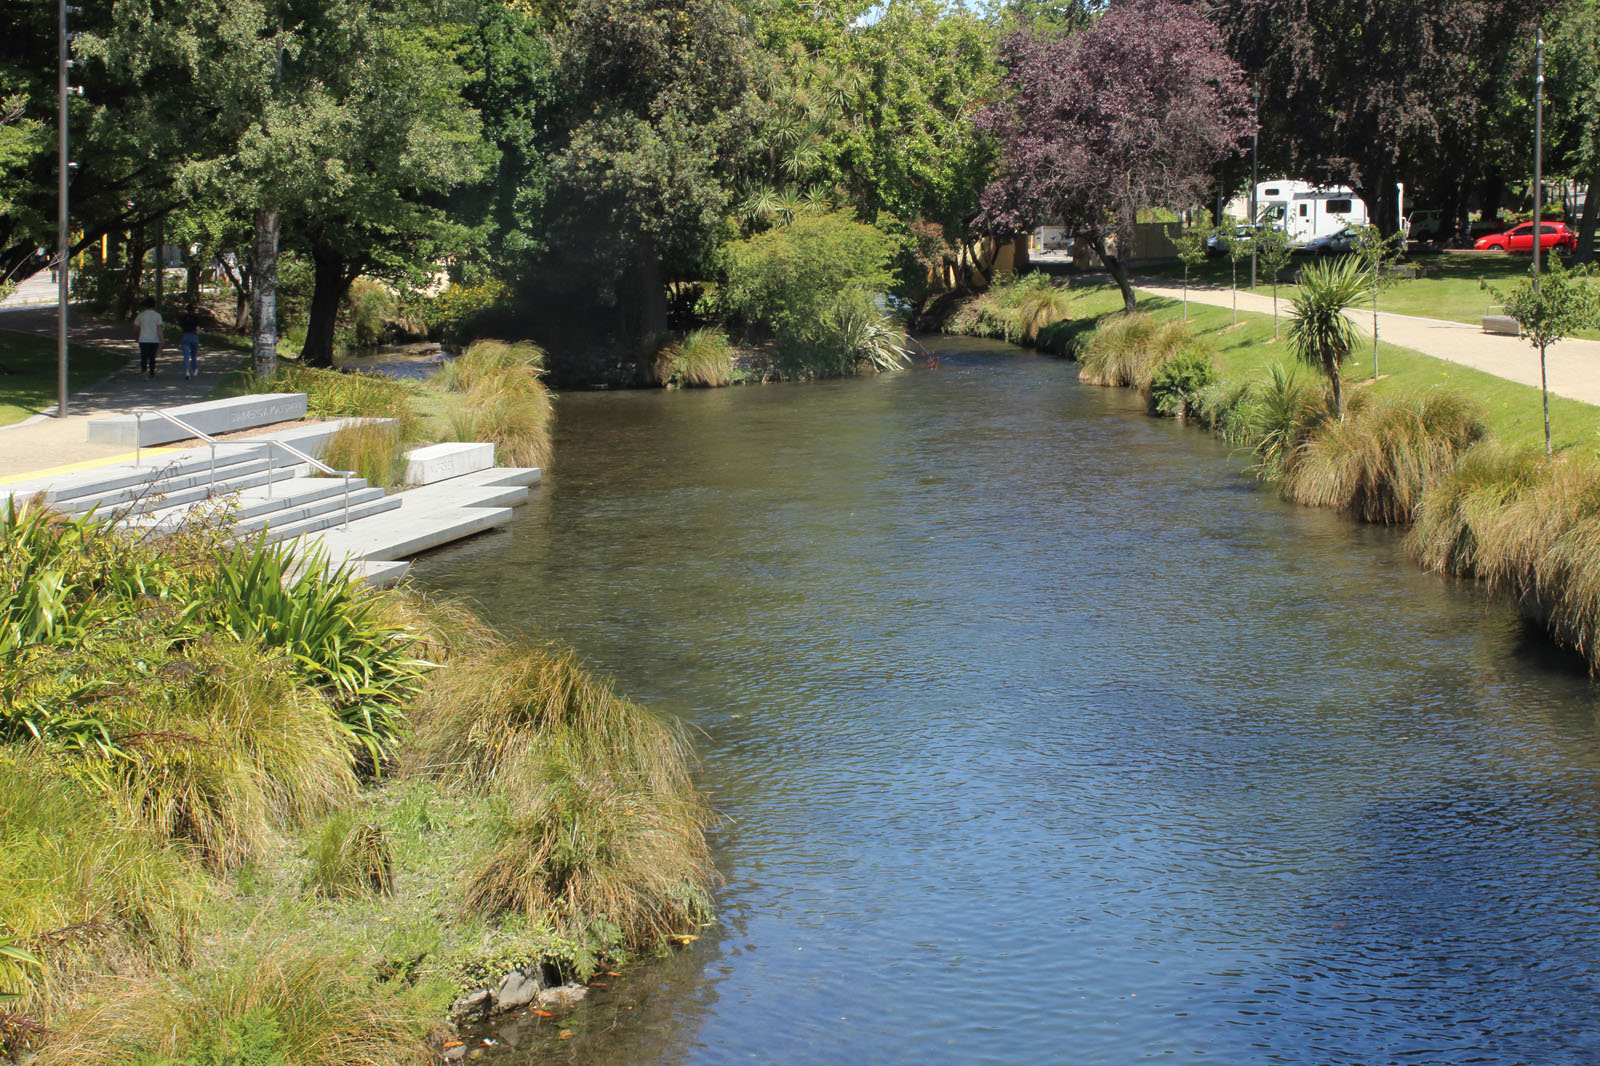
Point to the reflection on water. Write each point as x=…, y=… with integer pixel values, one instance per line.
x=1044, y=736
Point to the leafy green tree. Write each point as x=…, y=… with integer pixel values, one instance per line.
x=1191, y=245
x=1556, y=304
x=1275, y=252
x=1321, y=334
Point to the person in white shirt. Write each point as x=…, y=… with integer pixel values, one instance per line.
x=148, y=323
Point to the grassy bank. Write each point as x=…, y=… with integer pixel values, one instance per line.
x=1455, y=451
x=28, y=368
x=247, y=816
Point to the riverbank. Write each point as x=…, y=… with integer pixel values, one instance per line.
x=251, y=819
x=1450, y=450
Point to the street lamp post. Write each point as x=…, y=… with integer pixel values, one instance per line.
x=63, y=238
x=1538, y=155
x=1255, y=178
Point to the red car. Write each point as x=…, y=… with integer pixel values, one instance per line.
x=1520, y=238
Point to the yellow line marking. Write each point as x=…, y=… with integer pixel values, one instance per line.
x=87, y=464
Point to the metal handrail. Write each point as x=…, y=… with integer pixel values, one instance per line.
x=200, y=434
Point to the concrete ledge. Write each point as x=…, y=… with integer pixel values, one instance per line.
x=440, y=462
x=212, y=416
x=1503, y=324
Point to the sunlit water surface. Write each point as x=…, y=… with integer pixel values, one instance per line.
x=1043, y=735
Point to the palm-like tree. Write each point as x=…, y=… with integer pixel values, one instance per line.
x=1321, y=334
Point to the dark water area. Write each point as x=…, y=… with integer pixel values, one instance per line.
x=1044, y=735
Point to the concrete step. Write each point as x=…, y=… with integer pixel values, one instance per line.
x=155, y=491
x=333, y=518
x=167, y=510
x=440, y=462
x=301, y=510
x=410, y=531
x=291, y=488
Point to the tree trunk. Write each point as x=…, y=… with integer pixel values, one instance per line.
x=264, y=294
x=132, y=273
x=650, y=292
x=1591, y=209
x=332, y=282
x=161, y=273
x=191, y=278
x=1338, y=391
x=1494, y=190
x=1119, y=273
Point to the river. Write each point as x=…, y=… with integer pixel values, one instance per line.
x=1044, y=735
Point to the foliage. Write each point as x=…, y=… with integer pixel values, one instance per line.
x=343, y=394
x=1321, y=334
x=374, y=450
x=1176, y=386
x=1273, y=249
x=511, y=409
x=1128, y=350
x=487, y=358
x=1274, y=418
x=1381, y=463
x=1555, y=305
x=704, y=357
x=349, y=857
x=1173, y=105
x=451, y=310
x=864, y=333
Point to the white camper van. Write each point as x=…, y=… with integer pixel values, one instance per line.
x=1304, y=211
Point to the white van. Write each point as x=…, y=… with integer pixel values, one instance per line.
x=1304, y=211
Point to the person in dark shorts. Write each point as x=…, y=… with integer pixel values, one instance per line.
x=189, y=343
x=148, y=323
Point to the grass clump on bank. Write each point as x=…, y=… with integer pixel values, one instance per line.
x=209, y=852
x=702, y=359
x=501, y=399
x=376, y=451
x=1127, y=350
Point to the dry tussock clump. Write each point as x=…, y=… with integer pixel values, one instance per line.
x=1127, y=350
x=1385, y=456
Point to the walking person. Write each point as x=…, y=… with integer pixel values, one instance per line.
x=189, y=324
x=148, y=323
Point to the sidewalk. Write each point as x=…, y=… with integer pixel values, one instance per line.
x=1573, y=365
x=44, y=441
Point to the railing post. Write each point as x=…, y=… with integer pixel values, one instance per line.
x=269, y=469
x=213, y=490
x=138, y=435
x=347, y=499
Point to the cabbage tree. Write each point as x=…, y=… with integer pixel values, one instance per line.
x=1322, y=335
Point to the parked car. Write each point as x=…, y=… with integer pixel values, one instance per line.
x=1520, y=238
x=1336, y=243
x=1425, y=225
x=1241, y=232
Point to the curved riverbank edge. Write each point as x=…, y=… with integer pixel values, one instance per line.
x=268, y=814
x=1424, y=455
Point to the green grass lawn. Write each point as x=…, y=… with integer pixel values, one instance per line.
x=28, y=372
x=1452, y=289
x=1512, y=411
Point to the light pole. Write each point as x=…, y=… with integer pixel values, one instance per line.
x=1538, y=156
x=63, y=238
x=1255, y=178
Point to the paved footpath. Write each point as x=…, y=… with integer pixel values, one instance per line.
x=44, y=443
x=1573, y=365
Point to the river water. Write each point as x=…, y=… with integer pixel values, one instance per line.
x=1044, y=735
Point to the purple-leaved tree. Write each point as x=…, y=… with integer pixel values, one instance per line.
x=1132, y=113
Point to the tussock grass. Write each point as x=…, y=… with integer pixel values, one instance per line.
x=348, y=858
x=511, y=409
x=374, y=450
x=82, y=884
x=598, y=815
x=704, y=357
x=239, y=749
x=1527, y=527
x=486, y=359
x=1127, y=350
x=294, y=1002
x=1040, y=308
x=338, y=394
x=1385, y=456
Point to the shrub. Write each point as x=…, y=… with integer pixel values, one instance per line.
x=349, y=858
x=704, y=357
x=374, y=450
x=864, y=334
x=290, y=1003
x=488, y=358
x=229, y=749
x=1039, y=308
x=511, y=409
x=452, y=310
x=1175, y=388
x=341, y=394
x=1280, y=413
x=785, y=279
x=368, y=308
x=1465, y=504
x=1127, y=350
x=1380, y=461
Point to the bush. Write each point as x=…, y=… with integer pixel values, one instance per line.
x=369, y=306
x=1466, y=505
x=1127, y=350
x=290, y=1003
x=341, y=394
x=787, y=278
x=1381, y=460
x=511, y=409
x=1276, y=418
x=864, y=334
x=488, y=358
x=1176, y=387
x=374, y=450
x=704, y=357
x=451, y=312
x=349, y=858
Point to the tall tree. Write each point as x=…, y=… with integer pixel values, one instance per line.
x=1131, y=114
